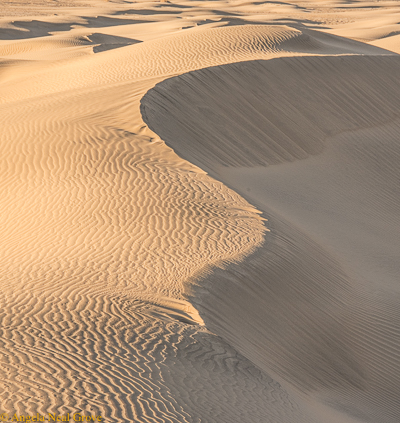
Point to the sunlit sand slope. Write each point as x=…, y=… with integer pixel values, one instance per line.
x=101, y=231
x=104, y=231
x=313, y=142
x=170, y=55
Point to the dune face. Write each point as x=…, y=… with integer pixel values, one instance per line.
x=199, y=207
x=292, y=104
x=313, y=142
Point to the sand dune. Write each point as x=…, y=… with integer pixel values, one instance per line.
x=198, y=211
x=326, y=277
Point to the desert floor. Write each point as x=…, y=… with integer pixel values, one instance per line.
x=199, y=211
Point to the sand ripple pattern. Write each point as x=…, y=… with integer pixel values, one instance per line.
x=179, y=53
x=174, y=54
x=103, y=226
x=107, y=356
x=148, y=216
x=314, y=142
x=105, y=231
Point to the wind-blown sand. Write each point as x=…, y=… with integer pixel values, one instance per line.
x=199, y=206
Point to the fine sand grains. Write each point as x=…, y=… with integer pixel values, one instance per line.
x=138, y=287
x=313, y=142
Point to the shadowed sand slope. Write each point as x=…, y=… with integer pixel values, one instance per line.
x=163, y=57
x=105, y=231
x=272, y=113
x=97, y=224
x=313, y=142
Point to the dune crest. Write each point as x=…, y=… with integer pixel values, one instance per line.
x=301, y=306
x=145, y=284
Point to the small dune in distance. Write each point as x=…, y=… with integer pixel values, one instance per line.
x=199, y=211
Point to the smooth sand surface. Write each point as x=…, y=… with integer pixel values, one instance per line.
x=199, y=205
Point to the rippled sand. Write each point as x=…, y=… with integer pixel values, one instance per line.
x=199, y=205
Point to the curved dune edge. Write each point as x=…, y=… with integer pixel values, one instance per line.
x=105, y=230
x=170, y=55
x=315, y=305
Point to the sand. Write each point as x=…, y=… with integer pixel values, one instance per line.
x=199, y=205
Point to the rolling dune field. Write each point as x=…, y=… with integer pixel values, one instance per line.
x=198, y=211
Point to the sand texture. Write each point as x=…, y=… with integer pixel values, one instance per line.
x=199, y=211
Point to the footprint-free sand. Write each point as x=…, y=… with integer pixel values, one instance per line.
x=199, y=211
